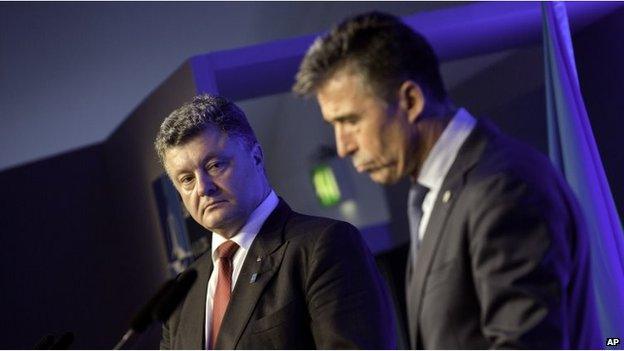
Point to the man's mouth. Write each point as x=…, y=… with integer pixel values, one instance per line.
x=368, y=169
x=212, y=205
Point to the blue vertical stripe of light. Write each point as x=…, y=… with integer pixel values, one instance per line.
x=573, y=150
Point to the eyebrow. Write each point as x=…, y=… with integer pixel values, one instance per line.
x=342, y=118
x=209, y=157
x=204, y=160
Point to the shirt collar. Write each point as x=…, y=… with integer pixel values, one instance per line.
x=444, y=151
x=245, y=237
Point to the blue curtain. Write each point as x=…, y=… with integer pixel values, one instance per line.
x=572, y=148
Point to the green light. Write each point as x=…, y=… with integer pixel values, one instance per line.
x=325, y=185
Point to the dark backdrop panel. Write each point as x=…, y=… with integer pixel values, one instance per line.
x=81, y=248
x=56, y=276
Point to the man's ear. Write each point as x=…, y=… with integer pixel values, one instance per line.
x=258, y=156
x=411, y=100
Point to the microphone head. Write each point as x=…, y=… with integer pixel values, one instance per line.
x=165, y=307
x=144, y=318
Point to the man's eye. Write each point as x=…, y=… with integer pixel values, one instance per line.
x=216, y=167
x=352, y=121
x=186, y=180
x=347, y=121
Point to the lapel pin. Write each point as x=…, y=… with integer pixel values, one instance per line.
x=446, y=196
x=254, y=277
x=258, y=259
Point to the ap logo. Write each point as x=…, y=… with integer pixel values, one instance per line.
x=613, y=341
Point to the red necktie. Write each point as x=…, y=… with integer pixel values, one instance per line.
x=225, y=252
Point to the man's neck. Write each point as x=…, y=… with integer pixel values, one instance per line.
x=429, y=130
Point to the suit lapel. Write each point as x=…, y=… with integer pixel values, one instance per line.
x=261, y=263
x=453, y=184
x=191, y=328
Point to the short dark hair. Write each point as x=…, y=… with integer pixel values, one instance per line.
x=384, y=49
x=196, y=116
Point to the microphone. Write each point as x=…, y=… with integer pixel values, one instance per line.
x=160, y=306
x=143, y=318
x=165, y=307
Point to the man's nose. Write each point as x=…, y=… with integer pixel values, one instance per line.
x=345, y=144
x=205, y=185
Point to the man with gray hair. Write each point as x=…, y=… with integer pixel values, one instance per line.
x=273, y=278
x=499, y=251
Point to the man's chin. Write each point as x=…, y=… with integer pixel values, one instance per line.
x=213, y=223
x=382, y=177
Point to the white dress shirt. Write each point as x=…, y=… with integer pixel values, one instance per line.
x=244, y=239
x=440, y=159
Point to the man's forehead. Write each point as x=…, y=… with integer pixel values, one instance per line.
x=207, y=138
x=208, y=143
x=342, y=93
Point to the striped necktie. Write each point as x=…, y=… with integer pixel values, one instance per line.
x=223, y=292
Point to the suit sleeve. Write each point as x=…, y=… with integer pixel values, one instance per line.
x=520, y=259
x=348, y=304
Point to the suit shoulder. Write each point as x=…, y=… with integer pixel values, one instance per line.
x=509, y=170
x=514, y=176
x=512, y=161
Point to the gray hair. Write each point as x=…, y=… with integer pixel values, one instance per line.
x=196, y=116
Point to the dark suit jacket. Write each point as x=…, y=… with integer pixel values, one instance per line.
x=504, y=262
x=317, y=286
